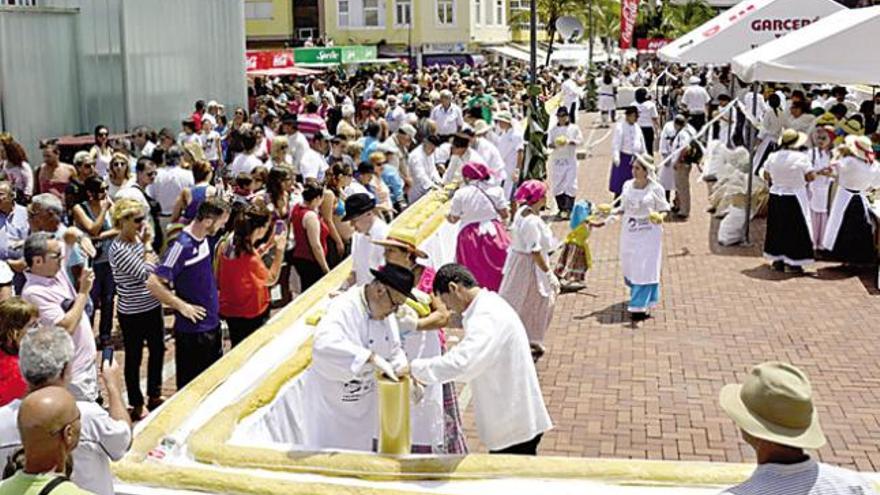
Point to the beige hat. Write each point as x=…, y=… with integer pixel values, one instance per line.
x=481, y=128
x=503, y=116
x=792, y=139
x=861, y=147
x=775, y=403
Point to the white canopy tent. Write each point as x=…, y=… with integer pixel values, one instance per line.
x=744, y=26
x=832, y=50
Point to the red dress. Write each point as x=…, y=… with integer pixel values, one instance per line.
x=12, y=384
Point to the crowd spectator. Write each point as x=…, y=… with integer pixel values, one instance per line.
x=53, y=176
x=310, y=233
x=16, y=317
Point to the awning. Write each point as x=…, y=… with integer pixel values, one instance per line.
x=353, y=62
x=516, y=52
x=285, y=71
x=828, y=51
x=747, y=25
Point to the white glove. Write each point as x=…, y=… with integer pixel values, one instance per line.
x=384, y=366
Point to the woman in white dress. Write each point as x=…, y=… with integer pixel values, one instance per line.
x=607, y=97
x=642, y=206
x=529, y=284
x=789, y=240
x=849, y=235
x=818, y=190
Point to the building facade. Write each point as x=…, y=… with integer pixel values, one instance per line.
x=422, y=29
x=269, y=23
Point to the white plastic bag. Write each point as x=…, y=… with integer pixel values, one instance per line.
x=731, y=230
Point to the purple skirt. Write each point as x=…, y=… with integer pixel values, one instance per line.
x=621, y=173
x=483, y=255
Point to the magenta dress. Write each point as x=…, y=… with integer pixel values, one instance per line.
x=483, y=240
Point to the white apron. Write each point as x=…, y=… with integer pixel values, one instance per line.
x=345, y=415
x=835, y=219
x=666, y=176
x=564, y=177
x=641, y=250
x=426, y=416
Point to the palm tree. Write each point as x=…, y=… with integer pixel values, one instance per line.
x=678, y=20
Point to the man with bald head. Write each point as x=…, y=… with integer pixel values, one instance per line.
x=49, y=425
x=45, y=357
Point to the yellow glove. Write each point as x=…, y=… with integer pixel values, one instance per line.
x=656, y=217
x=604, y=208
x=421, y=308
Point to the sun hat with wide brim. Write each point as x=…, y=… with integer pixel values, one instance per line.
x=852, y=127
x=403, y=239
x=792, y=139
x=397, y=278
x=775, y=403
x=861, y=147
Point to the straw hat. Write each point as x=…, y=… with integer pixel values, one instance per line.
x=775, y=403
x=481, y=128
x=792, y=139
x=852, y=127
x=504, y=116
x=826, y=118
x=861, y=147
x=403, y=239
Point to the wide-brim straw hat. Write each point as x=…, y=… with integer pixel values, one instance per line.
x=404, y=239
x=775, y=403
x=792, y=139
x=852, y=127
x=861, y=147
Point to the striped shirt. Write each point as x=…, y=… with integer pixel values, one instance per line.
x=130, y=273
x=804, y=478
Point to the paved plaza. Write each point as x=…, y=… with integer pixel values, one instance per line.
x=650, y=392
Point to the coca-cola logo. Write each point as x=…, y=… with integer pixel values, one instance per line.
x=628, y=12
x=251, y=62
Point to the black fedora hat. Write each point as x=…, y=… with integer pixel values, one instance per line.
x=358, y=204
x=396, y=277
x=366, y=168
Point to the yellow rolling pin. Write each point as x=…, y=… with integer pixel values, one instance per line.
x=395, y=437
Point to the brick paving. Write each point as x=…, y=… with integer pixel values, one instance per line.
x=615, y=390
x=650, y=392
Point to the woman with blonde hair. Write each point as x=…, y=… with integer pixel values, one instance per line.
x=280, y=154
x=120, y=174
x=16, y=315
x=139, y=313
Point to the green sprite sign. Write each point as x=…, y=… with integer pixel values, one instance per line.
x=317, y=55
x=335, y=55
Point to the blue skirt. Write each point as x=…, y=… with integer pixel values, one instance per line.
x=642, y=297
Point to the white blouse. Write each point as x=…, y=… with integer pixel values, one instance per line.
x=639, y=203
x=477, y=203
x=530, y=234
x=787, y=169
x=856, y=175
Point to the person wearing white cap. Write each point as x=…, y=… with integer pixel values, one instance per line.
x=774, y=410
x=397, y=145
x=511, y=146
x=696, y=99
x=395, y=115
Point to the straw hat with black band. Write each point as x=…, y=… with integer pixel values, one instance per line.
x=775, y=403
x=792, y=139
x=403, y=239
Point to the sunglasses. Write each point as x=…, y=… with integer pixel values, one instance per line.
x=138, y=220
x=152, y=174
x=103, y=134
x=118, y=164
x=52, y=255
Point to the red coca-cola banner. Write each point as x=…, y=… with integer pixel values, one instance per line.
x=651, y=44
x=629, y=9
x=269, y=59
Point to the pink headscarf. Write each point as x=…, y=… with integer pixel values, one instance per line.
x=530, y=192
x=475, y=171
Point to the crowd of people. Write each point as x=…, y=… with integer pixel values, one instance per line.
x=238, y=213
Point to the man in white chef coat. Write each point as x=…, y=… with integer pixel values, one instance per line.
x=356, y=337
x=564, y=140
x=494, y=357
x=511, y=145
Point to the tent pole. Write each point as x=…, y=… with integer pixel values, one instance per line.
x=732, y=111
x=752, y=156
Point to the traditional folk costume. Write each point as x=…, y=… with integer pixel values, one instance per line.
x=576, y=258
x=563, y=162
x=627, y=142
x=510, y=144
x=789, y=237
x=606, y=99
x=529, y=290
x=340, y=384
x=818, y=193
x=482, y=239
x=494, y=358
x=849, y=234
x=666, y=175
x=771, y=130
x=641, y=243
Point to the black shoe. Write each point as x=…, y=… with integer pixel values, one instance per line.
x=778, y=266
x=639, y=316
x=794, y=269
